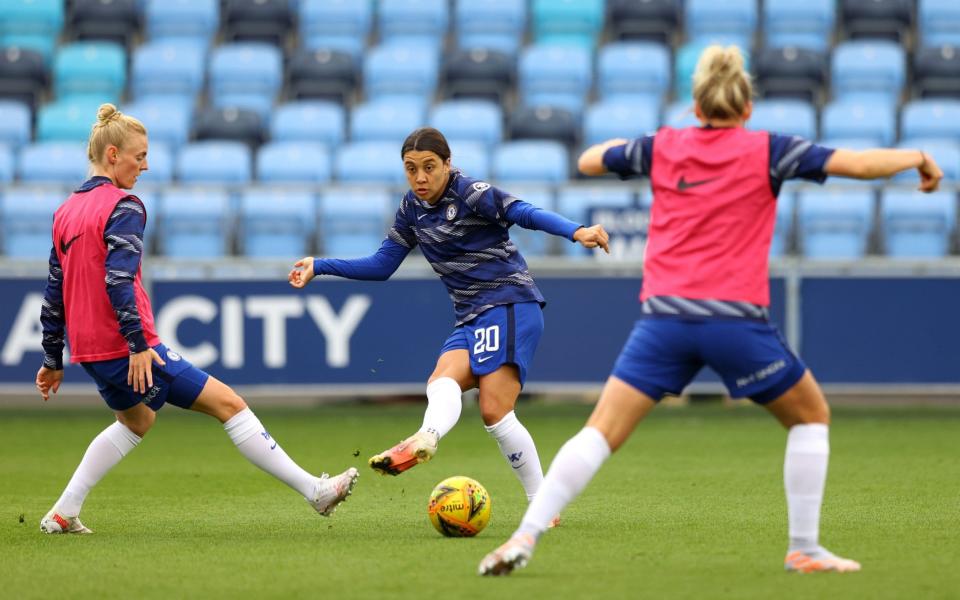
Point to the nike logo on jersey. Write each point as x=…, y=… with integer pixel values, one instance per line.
x=684, y=185
x=421, y=216
x=65, y=247
x=484, y=359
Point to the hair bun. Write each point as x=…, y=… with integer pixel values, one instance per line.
x=107, y=113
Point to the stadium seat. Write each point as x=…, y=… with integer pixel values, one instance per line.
x=53, y=162
x=25, y=218
x=651, y=20
x=323, y=74
x=293, y=162
x=246, y=75
x=194, y=223
x=634, y=69
x=399, y=70
x=865, y=118
x=341, y=25
x=544, y=123
x=229, y=123
x=369, y=162
x=276, y=223
x=14, y=123
x=160, y=163
x=353, y=220
x=492, y=24
x=945, y=151
x=938, y=23
x=90, y=69
x=214, y=162
x=936, y=71
x=113, y=21
x=167, y=119
x=471, y=157
x=680, y=114
x=736, y=19
x=532, y=243
x=23, y=75
x=877, y=19
x=32, y=24
x=478, y=73
x=167, y=68
x=931, y=118
x=7, y=169
x=791, y=72
x=309, y=121
x=187, y=20
x=474, y=120
x=555, y=75
x=567, y=22
x=420, y=24
x=576, y=202
x=532, y=161
x=266, y=21
x=835, y=222
x=790, y=24
x=67, y=120
x=780, y=244
x=868, y=68
x=619, y=118
x=787, y=117
x=918, y=225
x=385, y=121
x=685, y=62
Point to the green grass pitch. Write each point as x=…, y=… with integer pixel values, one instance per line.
x=692, y=507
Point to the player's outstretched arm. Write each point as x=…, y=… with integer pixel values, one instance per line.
x=591, y=161
x=594, y=236
x=885, y=162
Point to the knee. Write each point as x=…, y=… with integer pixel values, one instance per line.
x=493, y=412
x=140, y=423
x=231, y=404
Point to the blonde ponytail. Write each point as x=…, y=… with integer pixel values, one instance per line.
x=721, y=84
x=111, y=129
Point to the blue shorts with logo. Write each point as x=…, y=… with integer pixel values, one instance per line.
x=663, y=354
x=502, y=335
x=178, y=382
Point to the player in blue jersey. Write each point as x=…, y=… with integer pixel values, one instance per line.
x=461, y=225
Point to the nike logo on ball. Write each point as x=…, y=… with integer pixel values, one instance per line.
x=684, y=185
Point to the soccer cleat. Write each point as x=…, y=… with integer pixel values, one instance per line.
x=54, y=522
x=331, y=491
x=514, y=554
x=419, y=447
x=819, y=561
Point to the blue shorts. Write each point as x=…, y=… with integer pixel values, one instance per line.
x=502, y=335
x=663, y=354
x=178, y=382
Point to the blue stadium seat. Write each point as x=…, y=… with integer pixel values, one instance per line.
x=918, y=225
x=862, y=117
x=555, y=75
x=246, y=75
x=369, y=162
x=633, y=69
x=14, y=123
x=90, y=69
x=385, y=121
x=806, y=24
x=399, y=70
x=293, y=162
x=780, y=244
x=53, y=162
x=576, y=22
x=533, y=243
x=23, y=76
x=166, y=118
x=931, y=118
x=729, y=18
x=26, y=215
x=214, y=162
x=619, y=118
x=531, y=160
x=475, y=120
x=194, y=223
x=544, y=123
x=835, y=222
x=7, y=169
x=945, y=151
x=936, y=72
x=276, y=222
x=680, y=114
x=787, y=117
x=353, y=220
x=168, y=67
x=493, y=24
x=188, y=20
x=114, y=21
x=576, y=201
x=791, y=72
x=159, y=163
x=939, y=22
x=478, y=73
x=336, y=24
x=229, y=123
x=685, y=62
x=471, y=157
x=66, y=120
x=417, y=23
x=309, y=121
x=874, y=69
x=33, y=24
x=650, y=20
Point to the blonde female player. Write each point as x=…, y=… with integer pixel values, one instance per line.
x=94, y=290
x=705, y=296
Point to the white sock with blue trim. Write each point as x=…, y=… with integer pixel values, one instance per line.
x=804, y=478
x=444, y=403
x=518, y=448
x=103, y=453
x=254, y=442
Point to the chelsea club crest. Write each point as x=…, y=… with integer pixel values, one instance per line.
x=451, y=212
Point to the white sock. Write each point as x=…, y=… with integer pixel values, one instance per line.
x=573, y=468
x=444, y=404
x=804, y=477
x=516, y=445
x=253, y=441
x=105, y=451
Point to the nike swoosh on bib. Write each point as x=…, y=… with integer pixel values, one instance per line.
x=684, y=185
x=65, y=247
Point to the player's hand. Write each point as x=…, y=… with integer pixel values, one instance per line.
x=140, y=372
x=593, y=237
x=930, y=174
x=49, y=380
x=302, y=272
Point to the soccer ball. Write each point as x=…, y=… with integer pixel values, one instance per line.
x=459, y=507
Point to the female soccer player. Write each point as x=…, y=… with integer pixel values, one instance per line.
x=461, y=226
x=705, y=296
x=94, y=289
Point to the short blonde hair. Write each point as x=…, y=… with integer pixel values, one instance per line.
x=112, y=128
x=721, y=85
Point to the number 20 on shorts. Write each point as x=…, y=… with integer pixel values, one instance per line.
x=488, y=339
